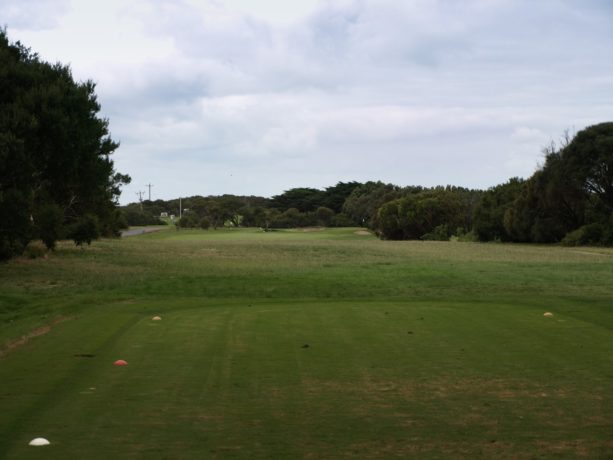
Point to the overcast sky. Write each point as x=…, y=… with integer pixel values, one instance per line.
x=259, y=96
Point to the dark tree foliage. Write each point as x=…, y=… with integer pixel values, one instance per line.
x=573, y=189
x=54, y=149
x=290, y=218
x=302, y=199
x=85, y=229
x=133, y=215
x=489, y=214
x=216, y=211
x=49, y=220
x=365, y=200
x=431, y=214
x=525, y=211
x=15, y=224
x=324, y=216
x=587, y=162
x=334, y=197
x=253, y=216
x=153, y=207
x=189, y=220
x=204, y=223
x=539, y=213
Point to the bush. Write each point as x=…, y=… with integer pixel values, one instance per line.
x=440, y=233
x=136, y=217
x=49, y=224
x=122, y=222
x=292, y=218
x=205, y=223
x=469, y=237
x=324, y=216
x=188, y=221
x=85, y=230
x=591, y=234
x=342, y=220
x=35, y=249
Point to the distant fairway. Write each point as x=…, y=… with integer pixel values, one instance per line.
x=307, y=344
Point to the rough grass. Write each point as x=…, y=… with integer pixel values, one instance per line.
x=415, y=349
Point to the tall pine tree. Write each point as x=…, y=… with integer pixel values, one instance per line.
x=54, y=152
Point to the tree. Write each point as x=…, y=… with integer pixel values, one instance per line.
x=48, y=221
x=229, y=206
x=424, y=215
x=189, y=220
x=302, y=199
x=573, y=189
x=334, y=197
x=488, y=219
x=53, y=147
x=364, y=201
x=253, y=216
x=587, y=164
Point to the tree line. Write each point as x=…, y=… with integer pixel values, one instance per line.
x=568, y=199
x=57, y=180
x=56, y=176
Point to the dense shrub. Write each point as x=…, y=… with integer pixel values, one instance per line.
x=342, y=220
x=440, y=233
x=136, y=217
x=188, y=221
x=85, y=230
x=49, y=224
x=35, y=249
x=205, y=223
x=594, y=234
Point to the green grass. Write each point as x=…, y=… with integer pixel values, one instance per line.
x=415, y=349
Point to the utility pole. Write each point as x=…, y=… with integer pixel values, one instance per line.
x=149, y=185
x=140, y=199
x=180, y=209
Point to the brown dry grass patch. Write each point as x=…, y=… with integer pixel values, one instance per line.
x=502, y=389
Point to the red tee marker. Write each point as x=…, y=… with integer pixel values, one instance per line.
x=120, y=362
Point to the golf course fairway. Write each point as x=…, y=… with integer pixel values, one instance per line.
x=321, y=344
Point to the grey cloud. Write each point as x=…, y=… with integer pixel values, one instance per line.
x=32, y=14
x=361, y=90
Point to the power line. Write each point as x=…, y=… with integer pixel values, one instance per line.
x=149, y=185
x=140, y=199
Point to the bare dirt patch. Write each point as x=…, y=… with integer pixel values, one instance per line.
x=42, y=330
x=363, y=233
